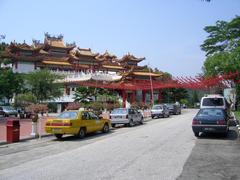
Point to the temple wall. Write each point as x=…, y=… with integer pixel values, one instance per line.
x=23, y=67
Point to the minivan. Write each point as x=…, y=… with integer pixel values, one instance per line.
x=214, y=101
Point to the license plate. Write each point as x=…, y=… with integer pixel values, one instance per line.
x=209, y=129
x=118, y=117
x=55, y=130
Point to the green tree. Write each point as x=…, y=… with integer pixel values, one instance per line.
x=223, y=37
x=43, y=85
x=10, y=83
x=85, y=94
x=24, y=100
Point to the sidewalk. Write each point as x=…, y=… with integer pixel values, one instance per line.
x=25, y=127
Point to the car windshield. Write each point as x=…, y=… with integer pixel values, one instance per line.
x=67, y=115
x=7, y=108
x=157, y=107
x=211, y=112
x=212, y=102
x=119, y=111
x=170, y=106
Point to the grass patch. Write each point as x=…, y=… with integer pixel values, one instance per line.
x=237, y=114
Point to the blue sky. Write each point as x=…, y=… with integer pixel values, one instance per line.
x=167, y=32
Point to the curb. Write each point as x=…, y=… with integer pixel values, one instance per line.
x=26, y=139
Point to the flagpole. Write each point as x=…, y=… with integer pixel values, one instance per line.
x=151, y=84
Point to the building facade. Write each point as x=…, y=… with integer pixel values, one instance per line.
x=82, y=67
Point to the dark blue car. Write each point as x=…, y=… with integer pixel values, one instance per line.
x=214, y=120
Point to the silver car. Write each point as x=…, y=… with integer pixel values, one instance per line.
x=160, y=110
x=126, y=116
x=8, y=111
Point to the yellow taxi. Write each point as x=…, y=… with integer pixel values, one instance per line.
x=78, y=123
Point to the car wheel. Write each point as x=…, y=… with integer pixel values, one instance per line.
x=196, y=134
x=131, y=124
x=152, y=117
x=141, y=121
x=82, y=133
x=113, y=125
x=58, y=136
x=105, y=128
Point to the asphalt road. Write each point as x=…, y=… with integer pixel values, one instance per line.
x=159, y=149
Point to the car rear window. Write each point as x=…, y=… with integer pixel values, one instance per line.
x=67, y=115
x=157, y=107
x=119, y=111
x=211, y=112
x=212, y=102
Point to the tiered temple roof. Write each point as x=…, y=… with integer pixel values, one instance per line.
x=54, y=53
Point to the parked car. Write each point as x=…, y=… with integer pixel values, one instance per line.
x=126, y=116
x=23, y=113
x=78, y=123
x=8, y=111
x=214, y=120
x=214, y=101
x=174, y=109
x=160, y=110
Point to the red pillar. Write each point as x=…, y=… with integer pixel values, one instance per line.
x=159, y=95
x=143, y=96
x=124, y=98
x=133, y=97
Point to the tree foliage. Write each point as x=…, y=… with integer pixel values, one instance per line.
x=223, y=37
x=10, y=83
x=87, y=94
x=222, y=47
x=24, y=100
x=43, y=85
x=173, y=95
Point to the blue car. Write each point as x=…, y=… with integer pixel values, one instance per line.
x=213, y=120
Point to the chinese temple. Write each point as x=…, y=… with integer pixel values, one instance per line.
x=82, y=67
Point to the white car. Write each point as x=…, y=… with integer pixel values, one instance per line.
x=214, y=101
x=126, y=116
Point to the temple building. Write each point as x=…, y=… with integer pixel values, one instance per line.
x=82, y=67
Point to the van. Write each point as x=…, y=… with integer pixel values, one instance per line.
x=214, y=101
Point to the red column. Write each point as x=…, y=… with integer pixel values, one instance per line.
x=159, y=95
x=124, y=98
x=133, y=97
x=143, y=96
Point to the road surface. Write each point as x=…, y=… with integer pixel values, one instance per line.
x=159, y=149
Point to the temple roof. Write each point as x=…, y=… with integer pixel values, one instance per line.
x=106, y=56
x=22, y=47
x=112, y=67
x=64, y=63
x=57, y=42
x=141, y=73
x=129, y=57
x=85, y=52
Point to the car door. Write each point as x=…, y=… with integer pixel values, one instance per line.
x=166, y=110
x=88, y=122
x=138, y=115
x=131, y=114
x=97, y=122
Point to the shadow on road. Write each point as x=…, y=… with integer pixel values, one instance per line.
x=232, y=135
x=214, y=157
x=87, y=137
